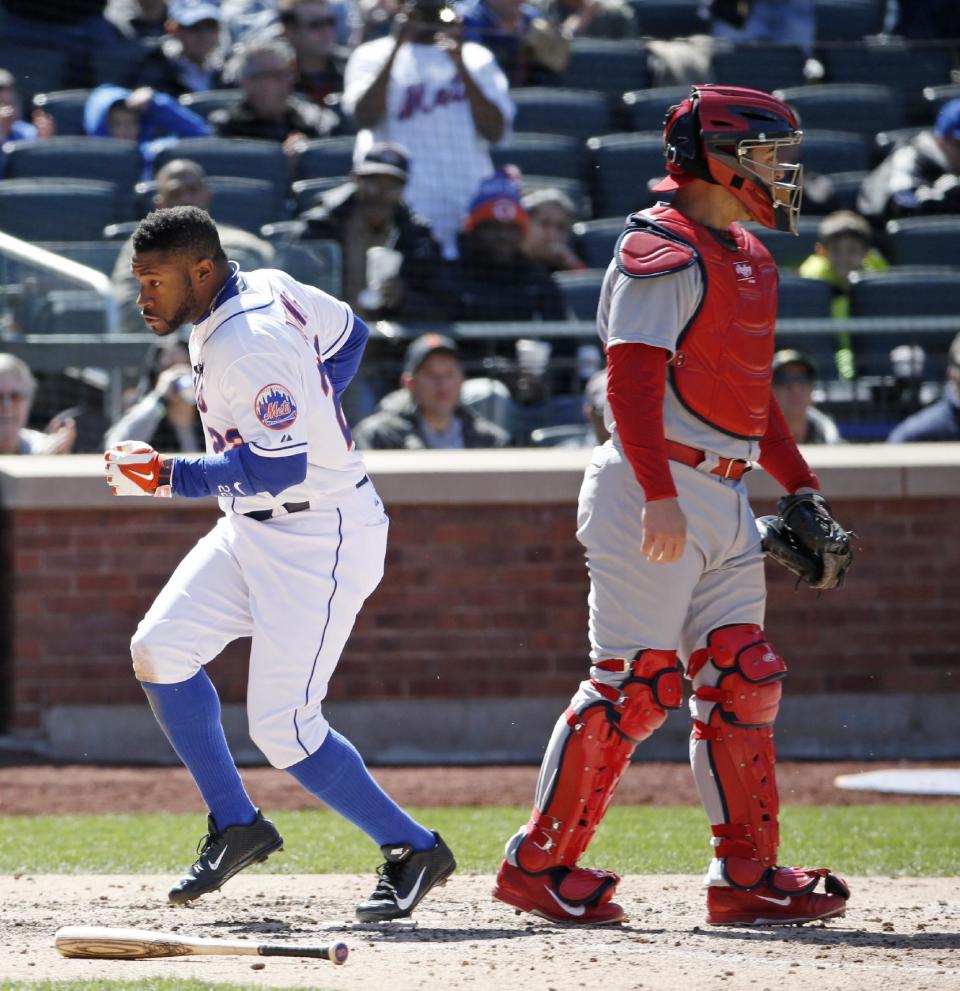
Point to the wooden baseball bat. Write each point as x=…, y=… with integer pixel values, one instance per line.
x=138, y=944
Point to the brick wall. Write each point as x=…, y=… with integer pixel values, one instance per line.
x=478, y=601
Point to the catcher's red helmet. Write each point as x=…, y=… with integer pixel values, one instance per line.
x=733, y=136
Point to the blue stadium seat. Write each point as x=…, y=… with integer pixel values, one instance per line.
x=803, y=298
x=910, y=67
x=307, y=192
x=120, y=63
x=620, y=166
x=846, y=188
x=594, y=240
x=101, y=255
x=531, y=152
x=766, y=67
x=581, y=291
x=239, y=157
x=863, y=108
x=613, y=66
x=245, y=203
x=646, y=109
x=848, y=20
x=669, y=18
x=57, y=209
x=925, y=241
x=325, y=157
x=206, y=101
x=36, y=70
x=315, y=263
x=789, y=250
x=835, y=151
x=68, y=311
x=65, y=106
x=555, y=110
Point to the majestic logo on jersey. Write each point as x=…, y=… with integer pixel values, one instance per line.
x=416, y=99
x=275, y=407
x=744, y=271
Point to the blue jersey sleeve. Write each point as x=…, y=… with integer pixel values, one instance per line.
x=342, y=366
x=237, y=472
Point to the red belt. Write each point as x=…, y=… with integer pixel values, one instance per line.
x=691, y=456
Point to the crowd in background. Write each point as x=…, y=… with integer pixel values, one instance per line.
x=433, y=228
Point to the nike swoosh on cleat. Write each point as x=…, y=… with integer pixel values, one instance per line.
x=776, y=901
x=214, y=864
x=569, y=909
x=405, y=903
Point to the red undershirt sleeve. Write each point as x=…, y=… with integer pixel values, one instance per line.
x=780, y=457
x=636, y=378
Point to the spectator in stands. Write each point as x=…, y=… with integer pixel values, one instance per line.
x=550, y=217
x=780, y=22
x=444, y=99
x=376, y=18
x=188, y=59
x=152, y=119
x=182, y=182
x=921, y=176
x=12, y=127
x=939, y=420
x=529, y=47
x=493, y=279
x=144, y=20
x=370, y=212
x=794, y=376
x=427, y=412
x=163, y=410
x=844, y=245
x=17, y=389
x=269, y=109
x=310, y=27
x=246, y=20
x=592, y=18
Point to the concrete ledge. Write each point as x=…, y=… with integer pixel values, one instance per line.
x=506, y=477
x=515, y=731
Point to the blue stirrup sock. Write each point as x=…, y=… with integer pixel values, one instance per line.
x=335, y=773
x=189, y=713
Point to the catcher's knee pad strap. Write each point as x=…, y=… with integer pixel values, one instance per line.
x=591, y=755
x=738, y=733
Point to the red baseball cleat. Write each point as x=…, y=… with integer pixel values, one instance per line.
x=787, y=898
x=577, y=896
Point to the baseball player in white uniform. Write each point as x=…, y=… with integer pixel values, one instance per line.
x=298, y=549
x=443, y=99
x=687, y=314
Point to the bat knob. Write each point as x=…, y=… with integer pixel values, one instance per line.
x=339, y=953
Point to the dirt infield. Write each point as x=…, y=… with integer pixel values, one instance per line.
x=904, y=933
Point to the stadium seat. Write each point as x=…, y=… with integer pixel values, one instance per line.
x=848, y=20
x=669, y=18
x=531, y=152
x=594, y=240
x=120, y=63
x=581, y=291
x=245, y=203
x=613, y=66
x=69, y=311
x=910, y=67
x=57, y=209
x=562, y=435
x=803, y=298
x=101, y=255
x=307, y=192
x=619, y=167
x=79, y=157
x=835, y=151
x=646, y=109
x=789, y=250
x=846, y=188
x=554, y=110
x=885, y=142
x=65, y=106
x=36, y=70
x=936, y=96
x=315, y=263
x=246, y=159
x=205, y=102
x=925, y=241
x=863, y=108
x=325, y=157
x=820, y=348
x=766, y=67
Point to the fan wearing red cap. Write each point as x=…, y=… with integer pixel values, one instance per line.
x=675, y=558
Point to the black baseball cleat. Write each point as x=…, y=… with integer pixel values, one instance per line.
x=405, y=877
x=223, y=854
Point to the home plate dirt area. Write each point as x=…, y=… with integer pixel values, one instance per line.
x=898, y=932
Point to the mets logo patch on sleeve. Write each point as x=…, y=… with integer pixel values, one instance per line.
x=275, y=407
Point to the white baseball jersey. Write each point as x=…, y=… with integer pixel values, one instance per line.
x=257, y=369
x=428, y=112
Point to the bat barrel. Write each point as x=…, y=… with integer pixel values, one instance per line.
x=336, y=952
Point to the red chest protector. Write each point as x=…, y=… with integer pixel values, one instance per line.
x=721, y=371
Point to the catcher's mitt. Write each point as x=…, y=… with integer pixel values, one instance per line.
x=807, y=540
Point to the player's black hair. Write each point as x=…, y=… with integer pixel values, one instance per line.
x=186, y=229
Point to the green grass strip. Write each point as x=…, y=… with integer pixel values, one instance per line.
x=145, y=984
x=909, y=840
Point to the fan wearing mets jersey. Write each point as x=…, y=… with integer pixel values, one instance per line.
x=299, y=547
